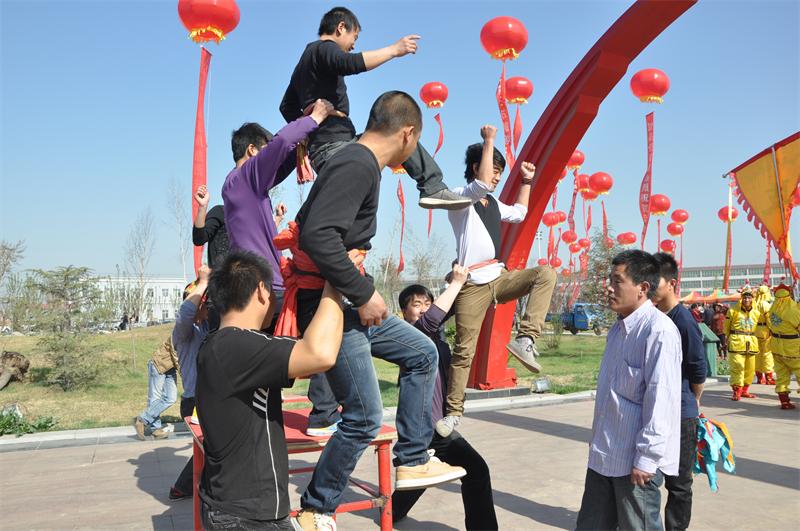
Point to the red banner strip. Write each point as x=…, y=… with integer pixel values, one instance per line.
x=200, y=146
x=504, y=117
x=605, y=223
x=768, y=267
x=571, y=216
x=645, y=190
x=517, y=129
x=401, y=263
x=438, y=119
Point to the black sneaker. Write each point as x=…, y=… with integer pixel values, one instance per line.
x=175, y=494
x=445, y=200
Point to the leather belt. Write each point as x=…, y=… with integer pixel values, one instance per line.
x=741, y=333
x=784, y=336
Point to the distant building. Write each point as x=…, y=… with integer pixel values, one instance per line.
x=162, y=296
x=705, y=279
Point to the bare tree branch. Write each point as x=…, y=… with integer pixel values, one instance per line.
x=138, y=251
x=180, y=220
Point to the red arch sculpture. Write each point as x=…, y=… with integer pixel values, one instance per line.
x=549, y=146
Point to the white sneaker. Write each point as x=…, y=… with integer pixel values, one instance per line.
x=446, y=425
x=524, y=349
x=307, y=520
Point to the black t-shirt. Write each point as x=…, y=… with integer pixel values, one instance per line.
x=340, y=215
x=490, y=216
x=320, y=74
x=215, y=234
x=240, y=374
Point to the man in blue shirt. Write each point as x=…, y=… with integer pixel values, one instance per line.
x=678, y=511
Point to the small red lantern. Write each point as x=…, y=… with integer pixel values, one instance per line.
x=609, y=242
x=659, y=204
x=601, y=182
x=569, y=236
x=668, y=246
x=680, y=216
x=576, y=160
x=650, y=85
x=675, y=229
x=555, y=262
x=575, y=247
x=208, y=20
x=722, y=214
x=504, y=37
x=562, y=216
x=626, y=238
x=565, y=272
x=542, y=261
x=518, y=89
x=589, y=195
x=582, y=181
x=585, y=243
x=433, y=94
x=550, y=219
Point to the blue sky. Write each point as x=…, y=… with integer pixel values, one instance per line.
x=98, y=102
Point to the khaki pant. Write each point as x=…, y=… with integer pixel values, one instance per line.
x=470, y=309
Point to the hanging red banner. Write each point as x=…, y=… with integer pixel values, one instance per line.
x=504, y=117
x=589, y=221
x=517, y=129
x=646, y=188
x=727, y=273
x=605, y=223
x=571, y=217
x=438, y=119
x=200, y=146
x=401, y=264
x=680, y=270
x=550, y=245
x=768, y=267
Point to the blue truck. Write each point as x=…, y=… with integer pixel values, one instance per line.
x=582, y=316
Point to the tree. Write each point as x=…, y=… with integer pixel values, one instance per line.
x=180, y=219
x=20, y=302
x=10, y=254
x=138, y=251
x=594, y=286
x=388, y=281
x=427, y=259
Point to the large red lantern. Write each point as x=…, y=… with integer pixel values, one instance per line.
x=626, y=238
x=550, y=219
x=589, y=195
x=208, y=20
x=650, y=85
x=668, y=246
x=601, y=182
x=518, y=90
x=542, y=261
x=585, y=243
x=433, y=94
x=504, y=37
x=575, y=247
x=569, y=236
x=576, y=160
x=675, y=229
x=680, y=216
x=659, y=204
x=722, y=214
x=555, y=262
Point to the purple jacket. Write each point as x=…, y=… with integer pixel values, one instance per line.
x=248, y=209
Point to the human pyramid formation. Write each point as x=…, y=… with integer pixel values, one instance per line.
x=230, y=331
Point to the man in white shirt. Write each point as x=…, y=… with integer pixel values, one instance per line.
x=637, y=411
x=477, y=232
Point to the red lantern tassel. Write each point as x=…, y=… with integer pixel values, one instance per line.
x=401, y=263
x=504, y=117
x=438, y=119
x=517, y=129
x=200, y=146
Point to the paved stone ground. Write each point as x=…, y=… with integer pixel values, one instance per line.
x=537, y=456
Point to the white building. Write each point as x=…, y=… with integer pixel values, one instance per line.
x=707, y=278
x=162, y=295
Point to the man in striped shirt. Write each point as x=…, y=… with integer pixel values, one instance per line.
x=636, y=427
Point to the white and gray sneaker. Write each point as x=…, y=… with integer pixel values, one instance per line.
x=446, y=425
x=524, y=349
x=445, y=200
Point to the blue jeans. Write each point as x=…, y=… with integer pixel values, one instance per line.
x=162, y=392
x=355, y=385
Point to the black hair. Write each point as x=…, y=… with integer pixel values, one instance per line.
x=474, y=155
x=330, y=21
x=233, y=283
x=410, y=292
x=693, y=306
x=667, y=265
x=248, y=133
x=639, y=267
x=392, y=111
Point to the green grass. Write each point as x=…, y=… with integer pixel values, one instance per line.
x=121, y=391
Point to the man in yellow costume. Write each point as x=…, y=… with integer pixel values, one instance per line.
x=783, y=320
x=740, y=329
x=764, y=363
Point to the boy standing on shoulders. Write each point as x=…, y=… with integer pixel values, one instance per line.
x=240, y=375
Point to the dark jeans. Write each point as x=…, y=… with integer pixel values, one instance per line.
x=678, y=512
x=325, y=408
x=616, y=503
x=420, y=166
x=217, y=520
x=184, y=481
x=476, y=486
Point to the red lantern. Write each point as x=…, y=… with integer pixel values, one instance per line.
x=722, y=214
x=680, y=216
x=518, y=89
x=576, y=160
x=433, y=94
x=562, y=216
x=555, y=262
x=565, y=272
x=668, y=246
x=650, y=85
x=626, y=238
x=575, y=247
x=675, y=229
x=208, y=20
x=589, y=195
x=569, y=236
x=504, y=37
x=609, y=242
x=542, y=261
x=582, y=181
x=550, y=219
x=585, y=243
x=601, y=182
x=659, y=204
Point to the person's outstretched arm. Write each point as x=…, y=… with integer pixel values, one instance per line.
x=375, y=58
x=430, y=321
x=318, y=349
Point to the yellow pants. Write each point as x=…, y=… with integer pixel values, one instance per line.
x=784, y=367
x=764, y=361
x=743, y=368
